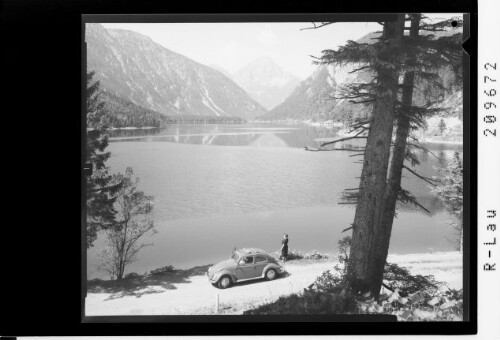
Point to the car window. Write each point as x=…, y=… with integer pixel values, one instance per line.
x=246, y=260
x=260, y=259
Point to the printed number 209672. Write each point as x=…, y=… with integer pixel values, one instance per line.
x=490, y=93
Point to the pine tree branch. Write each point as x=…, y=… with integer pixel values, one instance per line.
x=387, y=287
x=418, y=146
x=336, y=149
x=406, y=197
x=360, y=124
x=352, y=96
x=429, y=180
x=356, y=136
x=360, y=69
x=362, y=101
x=316, y=26
x=346, y=229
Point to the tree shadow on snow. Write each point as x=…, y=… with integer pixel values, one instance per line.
x=144, y=284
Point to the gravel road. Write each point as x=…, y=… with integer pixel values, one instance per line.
x=195, y=295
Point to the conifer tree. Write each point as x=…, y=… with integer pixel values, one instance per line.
x=442, y=125
x=450, y=191
x=100, y=186
x=392, y=56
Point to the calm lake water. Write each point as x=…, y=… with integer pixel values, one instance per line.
x=222, y=186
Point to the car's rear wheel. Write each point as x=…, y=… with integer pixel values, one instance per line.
x=271, y=274
x=224, y=282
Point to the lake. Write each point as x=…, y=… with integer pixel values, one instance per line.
x=220, y=186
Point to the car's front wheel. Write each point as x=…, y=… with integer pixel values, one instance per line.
x=224, y=282
x=271, y=274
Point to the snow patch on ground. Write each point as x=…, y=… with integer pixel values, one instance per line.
x=177, y=103
x=119, y=58
x=445, y=266
x=212, y=102
x=207, y=104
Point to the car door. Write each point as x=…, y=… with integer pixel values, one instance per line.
x=245, y=269
x=260, y=262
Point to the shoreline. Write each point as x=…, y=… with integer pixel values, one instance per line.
x=328, y=257
x=342, y=131
x=441, y=141
x=406, y=259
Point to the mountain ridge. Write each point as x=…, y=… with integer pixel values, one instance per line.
x=313, y=98
x=132, y=66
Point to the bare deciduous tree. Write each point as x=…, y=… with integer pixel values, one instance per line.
x=132, y=221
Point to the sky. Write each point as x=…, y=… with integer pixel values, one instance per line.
x=234, y=45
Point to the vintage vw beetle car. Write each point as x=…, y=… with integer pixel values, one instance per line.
x=244, y=264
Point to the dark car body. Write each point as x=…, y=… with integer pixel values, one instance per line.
x=244, y=264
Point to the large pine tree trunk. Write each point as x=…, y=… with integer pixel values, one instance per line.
x=363, y=267
x=396, y=166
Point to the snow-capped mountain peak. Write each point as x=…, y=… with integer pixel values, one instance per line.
x=265, y=81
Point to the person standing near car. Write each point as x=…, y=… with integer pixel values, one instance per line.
x=284, y=247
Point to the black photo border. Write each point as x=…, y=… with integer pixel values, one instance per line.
x=306, y=18
x=60, y=51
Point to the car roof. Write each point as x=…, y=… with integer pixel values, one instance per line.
x=251, y=251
